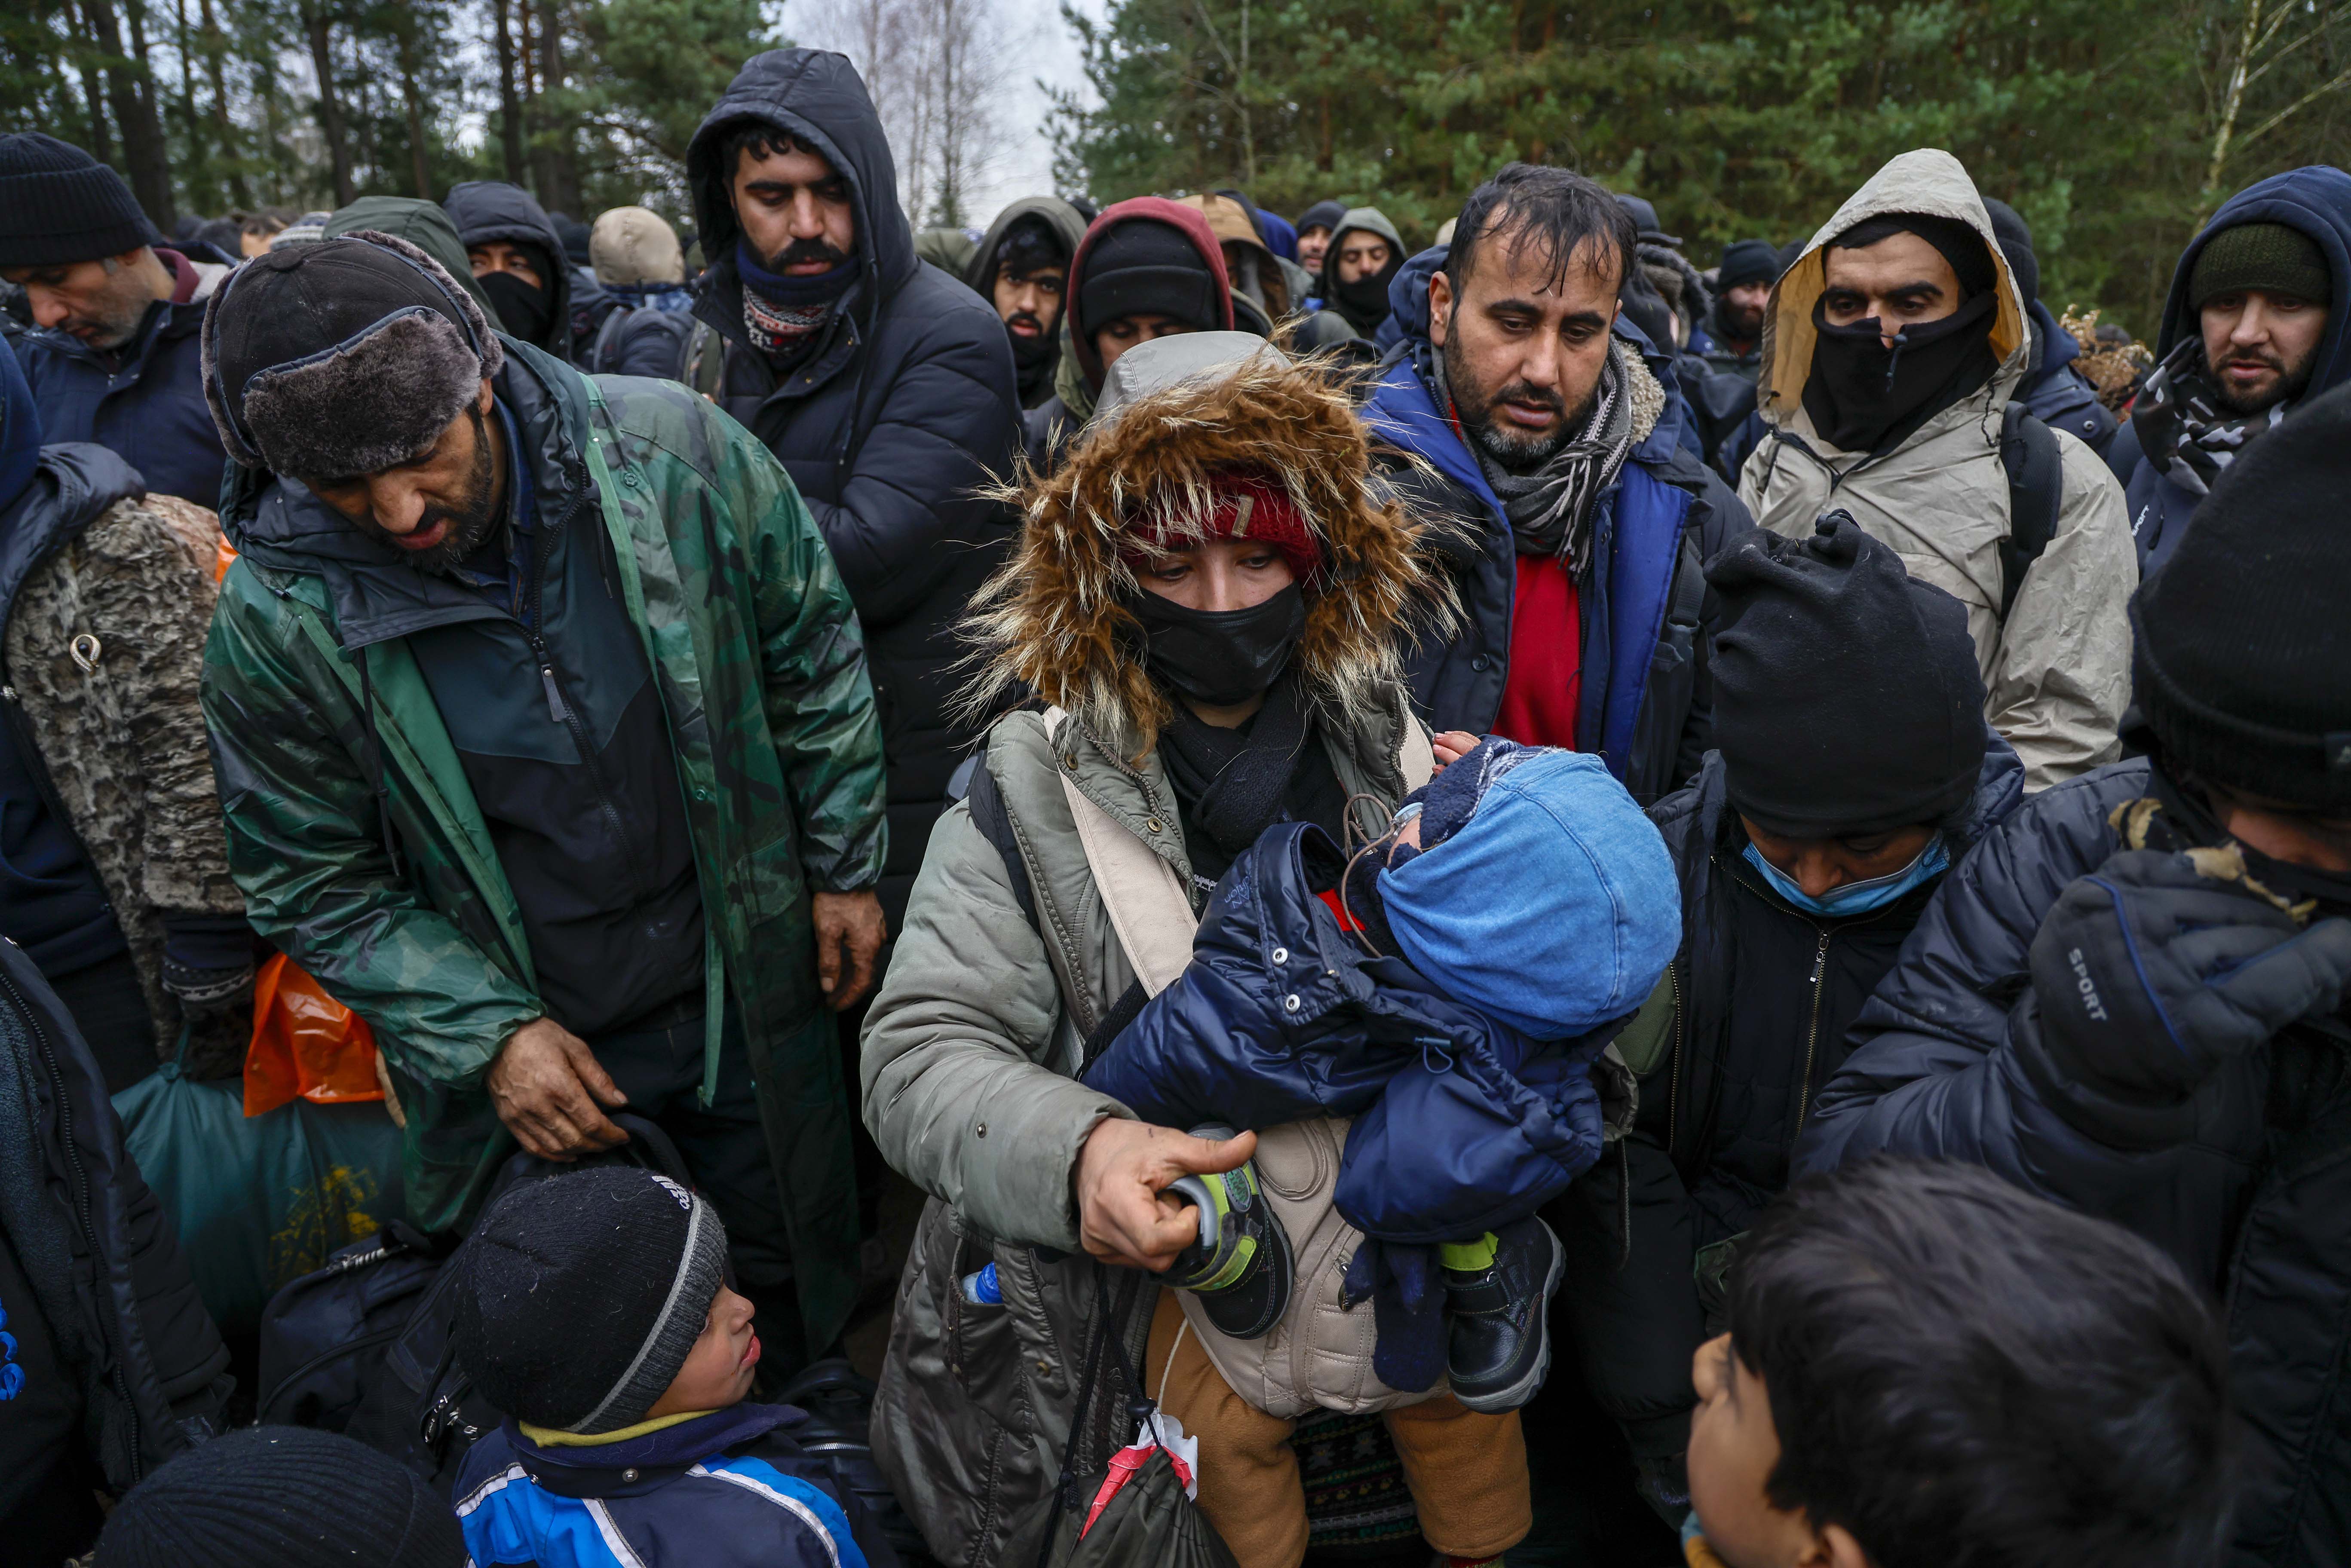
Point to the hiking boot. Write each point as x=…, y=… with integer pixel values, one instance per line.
x=1241, y=1268
x=1497, y=1341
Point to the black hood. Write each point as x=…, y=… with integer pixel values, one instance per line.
x=73, y=484
x=818, y=97
x=489, y=210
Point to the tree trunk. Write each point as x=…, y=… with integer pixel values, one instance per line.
x=224, y=128
x=101, y=139
x=419, y=167
x=330, y=107
x=509, y=98
x=146, y=162
x=560, y=193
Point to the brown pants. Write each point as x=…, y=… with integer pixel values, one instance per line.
x=1467, y=1472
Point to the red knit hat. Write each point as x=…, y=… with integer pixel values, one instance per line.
x=1242, y=506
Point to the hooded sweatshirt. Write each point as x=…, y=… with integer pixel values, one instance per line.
x=485, y=211
x=889, y=425
x=2057, y=673
x=1070, y=228
x=1364, y=303
x=1052, y=425
x=2316, y=201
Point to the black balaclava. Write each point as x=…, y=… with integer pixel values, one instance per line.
x=1364, y=302
x=1866, y=397
x=1847, y=694
x=525, y=310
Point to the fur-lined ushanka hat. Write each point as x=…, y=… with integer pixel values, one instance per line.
x=341, y=358
x=1185, y=424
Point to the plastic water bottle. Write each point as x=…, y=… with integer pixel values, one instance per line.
x=981, y=1290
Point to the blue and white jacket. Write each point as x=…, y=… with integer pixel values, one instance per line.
x=732, y=1486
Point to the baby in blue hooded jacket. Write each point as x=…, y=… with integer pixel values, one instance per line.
x=1449, y=987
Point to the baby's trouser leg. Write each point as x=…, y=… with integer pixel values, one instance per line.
x=1467, y=1474
x=1248, y=1476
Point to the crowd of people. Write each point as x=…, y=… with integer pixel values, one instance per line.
x=1525, y=901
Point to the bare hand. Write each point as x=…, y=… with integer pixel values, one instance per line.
x=851, y=923
x=1122, y=1215
x=547, y=1087
x=1451, y=746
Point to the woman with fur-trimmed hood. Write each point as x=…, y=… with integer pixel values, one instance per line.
x=1206, y=604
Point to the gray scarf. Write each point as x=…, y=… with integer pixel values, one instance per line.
x=1550, y=510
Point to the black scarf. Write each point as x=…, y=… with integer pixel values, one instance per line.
x=1034, y=360
x=1866, y=397
x=1364, y=302
x=1233, y=784
x=2186, y=820
x=2185, y=428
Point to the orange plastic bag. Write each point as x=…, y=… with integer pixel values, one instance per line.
x=305, y=1043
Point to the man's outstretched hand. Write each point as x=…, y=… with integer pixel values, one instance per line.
x=549, y=1090
x=1122, y=1215
x=849, y=934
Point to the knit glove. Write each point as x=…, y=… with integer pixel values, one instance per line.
x=2150, y=974
x=208, y=961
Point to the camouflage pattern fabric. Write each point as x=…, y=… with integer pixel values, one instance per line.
x=761, y=670
x=103, y=648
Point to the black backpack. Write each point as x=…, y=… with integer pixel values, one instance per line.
x=2036, y=493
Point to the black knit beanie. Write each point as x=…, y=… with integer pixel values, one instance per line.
x=1321, y=215
x=1846, y=696
x=281, y=1496
x=1747, y=261
x=2015, y=237
x=584, y=1294
x=58, y=205
x=1143, y=266
x=2242, y=660
x=344, y=357
x=2272, y=257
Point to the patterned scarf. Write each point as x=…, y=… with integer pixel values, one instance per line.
x=1550, y=510
x=781, y=314
x=2182, y=424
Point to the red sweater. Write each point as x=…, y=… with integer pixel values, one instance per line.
x=1544, y=690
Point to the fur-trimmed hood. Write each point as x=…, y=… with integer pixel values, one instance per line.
x=1056, y=619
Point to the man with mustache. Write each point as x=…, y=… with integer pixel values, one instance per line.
x=1547, y=426
x=2256, y=327
x=545, y=741
x=1022, y=268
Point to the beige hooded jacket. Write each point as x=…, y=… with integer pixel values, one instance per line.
x=2057, y=675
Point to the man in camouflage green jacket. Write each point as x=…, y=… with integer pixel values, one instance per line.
x=545, y=740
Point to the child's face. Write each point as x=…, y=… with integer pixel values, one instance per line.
x=1734, y=1447
x=717, y=1370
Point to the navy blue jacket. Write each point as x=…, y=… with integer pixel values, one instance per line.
x=729, y=1490
x=2315, y=200
x=1647, y=701
x=905, y=405
x=2246, y=1183
x=149, y=408
x=1462, y=1124
x=1763, y=995
x=2057, y=394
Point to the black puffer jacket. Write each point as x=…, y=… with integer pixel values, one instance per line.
x=905, y=405
x=1752, y=1020
x=109, y=1285
x=487, y=211
x=2247, y=1183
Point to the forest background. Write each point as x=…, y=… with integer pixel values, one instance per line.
x=2114, y=128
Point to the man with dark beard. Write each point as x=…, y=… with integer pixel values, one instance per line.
x=1733, y=328
x=884, y=387
x=2258, y=322
x=545, y=741
x=1899, y=338
x=1543, y=423
x=1022, y=268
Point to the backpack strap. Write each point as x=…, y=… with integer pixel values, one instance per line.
x=608, y=336
x=2036, y=492
x=1146, y=902
x=703, y=365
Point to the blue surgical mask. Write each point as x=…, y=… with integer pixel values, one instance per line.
x=1857, y=897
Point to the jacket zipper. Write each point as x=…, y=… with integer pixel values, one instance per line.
x=561, y=712
x=81, y=1207
x=1812, y=1035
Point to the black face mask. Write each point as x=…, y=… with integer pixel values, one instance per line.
x=524, y=308
x=1864, y=396
x=1221, y=656
x=1364, y=302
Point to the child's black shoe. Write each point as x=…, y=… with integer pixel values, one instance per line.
x=1241, y=1268
x=1498, y=1343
